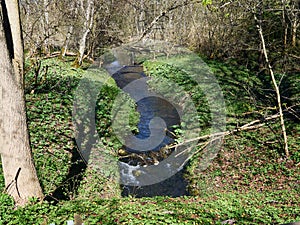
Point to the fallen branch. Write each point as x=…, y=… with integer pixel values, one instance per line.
x=58, y=53
x=213, y=137
x=249, y=126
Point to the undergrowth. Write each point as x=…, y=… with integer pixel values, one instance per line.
x=250, y=181
x=241, y=208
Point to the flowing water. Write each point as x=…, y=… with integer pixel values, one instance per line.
x=132, y=80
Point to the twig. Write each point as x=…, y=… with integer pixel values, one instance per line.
x=15, y=183
x=294, y=56
x=227, y=3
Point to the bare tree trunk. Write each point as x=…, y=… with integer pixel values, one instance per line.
x=64, y=49
x=293, y=16
x=67, y=41
x=295, y=25
x=294, y=20
x=284, y=24
x=17, y=39
x=19, y=172
x=45, y=24
x=141, y=18
x=88, y=23
x=260, y=31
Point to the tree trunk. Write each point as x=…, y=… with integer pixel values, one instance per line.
x=284, y=25
x=88, y=23
x=294, y=32
x=67, y=41
x=141, y=20
x=70, y=30
x=293, y=16
x=19, y=172
x=45, y=25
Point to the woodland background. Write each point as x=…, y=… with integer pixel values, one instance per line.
x=247, y=44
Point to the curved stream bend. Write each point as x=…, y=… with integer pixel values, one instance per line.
x=157, y=117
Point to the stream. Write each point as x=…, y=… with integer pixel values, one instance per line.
x=157, y=118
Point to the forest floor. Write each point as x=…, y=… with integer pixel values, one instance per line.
x=249, y=182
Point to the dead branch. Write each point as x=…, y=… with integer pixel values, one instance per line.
x=225, y=4
x=260, y=31
x=249, y=126
x=255, y=124
x=294, y=56
x=58, y=53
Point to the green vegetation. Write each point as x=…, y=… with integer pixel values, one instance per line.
x=244, y=208
x=250, y=181
x=250, y=159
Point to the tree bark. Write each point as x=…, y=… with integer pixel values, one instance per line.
x=17, y=39
x=45, y=26
x=67, y=41
x=294, y=18
x=70, y=29
x=284, y=24
x=294, y=32
x=88, y=23
x=19, y=172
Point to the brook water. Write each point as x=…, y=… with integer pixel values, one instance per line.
x=132, y=80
